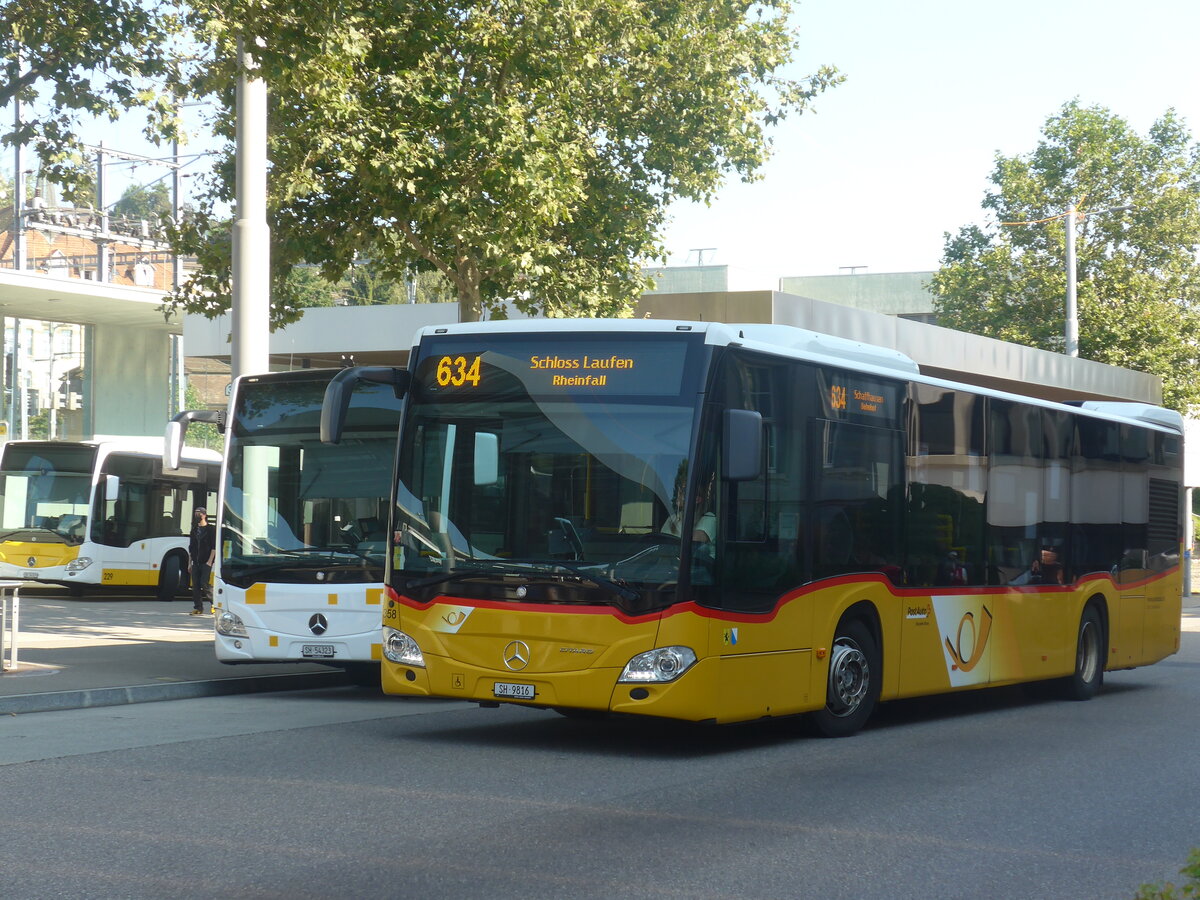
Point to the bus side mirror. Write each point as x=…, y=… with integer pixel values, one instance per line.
x=112, y=486
x=172, y=445
x=742, y=445
x=487, y=458
x=176, y=433
x=337, y=395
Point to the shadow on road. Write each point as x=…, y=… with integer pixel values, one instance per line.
x=514, y=728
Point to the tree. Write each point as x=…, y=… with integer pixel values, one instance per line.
x=141, y=201
x=525, y=150
x=1137, y=271
x=79, y=59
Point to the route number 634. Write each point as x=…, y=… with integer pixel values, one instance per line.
x=456, y=371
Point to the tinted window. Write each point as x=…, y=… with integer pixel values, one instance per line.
x=948, y=486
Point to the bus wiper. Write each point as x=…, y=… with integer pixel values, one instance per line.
x=531, y=569
x=474, y=568
x=597, y=579
x=310, y=551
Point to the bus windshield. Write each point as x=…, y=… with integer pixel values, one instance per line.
x=46, y=488
x=298, y=511
x=576, y=487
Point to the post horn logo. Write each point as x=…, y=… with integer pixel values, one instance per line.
x=977, y=640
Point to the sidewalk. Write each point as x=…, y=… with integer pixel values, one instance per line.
x=112, y=649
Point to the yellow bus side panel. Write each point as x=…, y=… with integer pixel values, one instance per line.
x=130, y=577
x=776, y=662
x=1164, y=609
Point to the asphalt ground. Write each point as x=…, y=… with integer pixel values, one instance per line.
x=108, y=649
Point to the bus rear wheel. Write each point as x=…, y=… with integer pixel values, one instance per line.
x=853, y=685
x=1088, y=677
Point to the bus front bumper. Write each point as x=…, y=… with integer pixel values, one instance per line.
x=689, y=697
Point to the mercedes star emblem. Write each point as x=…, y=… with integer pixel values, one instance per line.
x=318, y=624
x=516, y=655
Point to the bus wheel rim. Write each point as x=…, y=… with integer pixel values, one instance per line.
x=849, y=677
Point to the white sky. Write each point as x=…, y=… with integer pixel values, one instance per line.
x=900, y=153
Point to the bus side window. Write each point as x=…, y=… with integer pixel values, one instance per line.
x=857, y=490
x=760, y=551
x=947, y=488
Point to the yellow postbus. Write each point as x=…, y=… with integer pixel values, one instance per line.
x=722, y=523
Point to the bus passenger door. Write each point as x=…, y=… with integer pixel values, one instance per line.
x=761, y=629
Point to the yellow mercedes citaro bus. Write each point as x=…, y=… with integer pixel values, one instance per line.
x=719, y=523
x=105, y=512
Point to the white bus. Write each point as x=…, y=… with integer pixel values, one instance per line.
x=301, y=540
x=87, y=513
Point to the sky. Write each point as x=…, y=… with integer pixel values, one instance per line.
x=901, y=152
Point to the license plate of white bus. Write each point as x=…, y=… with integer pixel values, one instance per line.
x=514, y=691
x=30, y=576
x=316, y=651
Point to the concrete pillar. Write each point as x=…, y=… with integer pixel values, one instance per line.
x=130, y=380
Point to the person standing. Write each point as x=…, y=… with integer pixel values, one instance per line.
x=202, y=552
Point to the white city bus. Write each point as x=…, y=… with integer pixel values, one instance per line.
x=87, y=513
x=301, y=541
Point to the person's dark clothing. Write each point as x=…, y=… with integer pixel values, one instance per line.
x=200, y=547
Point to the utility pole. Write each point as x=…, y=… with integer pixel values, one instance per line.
x=251, y=272
x=1072, y=328
x=18, y=180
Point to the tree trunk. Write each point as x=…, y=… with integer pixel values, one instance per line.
x=470, y=303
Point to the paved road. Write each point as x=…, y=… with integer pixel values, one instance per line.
x=339, y=793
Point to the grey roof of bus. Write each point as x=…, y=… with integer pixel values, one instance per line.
x=795, y=342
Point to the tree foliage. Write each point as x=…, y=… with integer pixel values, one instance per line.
x=364, y=285
x=1137, y=271
x=142, y=201
x=525, y=150
x=74, y=60
x=1171, y=891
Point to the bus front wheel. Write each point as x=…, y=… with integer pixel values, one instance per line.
x=169, y=577
x=1088, y=677
x=854, y=680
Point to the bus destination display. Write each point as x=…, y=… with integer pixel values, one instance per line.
x=642, y=368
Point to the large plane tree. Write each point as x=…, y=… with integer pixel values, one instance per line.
x=526, y=150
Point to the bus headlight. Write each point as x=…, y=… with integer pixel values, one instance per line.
x=398, y=647
x=231, y=626
x=78, y=565
x=658, y=666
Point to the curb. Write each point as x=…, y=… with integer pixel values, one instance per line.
x=51, y=701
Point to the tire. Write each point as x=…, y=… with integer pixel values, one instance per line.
x=1088, y=677
x=852, y=691
x=169, y=577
